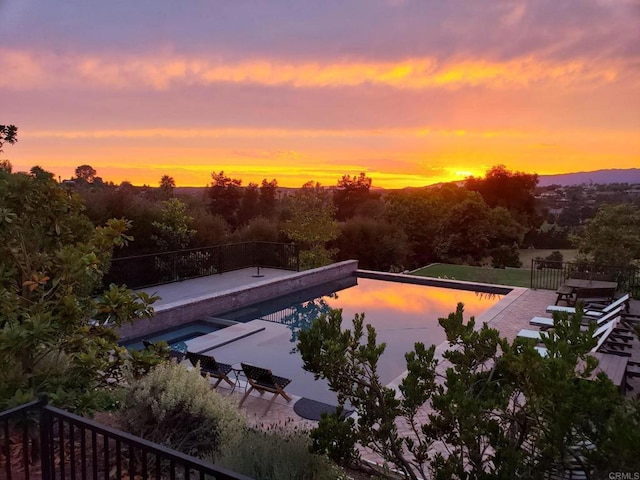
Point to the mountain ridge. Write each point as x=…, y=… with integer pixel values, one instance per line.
x=611, y=175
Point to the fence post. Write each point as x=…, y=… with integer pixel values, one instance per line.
x=46, y=449
x=531, y=276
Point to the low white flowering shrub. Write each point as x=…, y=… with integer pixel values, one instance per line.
x=177, y=408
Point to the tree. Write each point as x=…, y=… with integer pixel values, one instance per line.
x=312, y=224
x=224, y=195
x=464, y=232
x=167, y=186
x=259, y=229
x=249, y=204
x=500, y=410
x=173, y=231
x=351, y=193
x=417, y=213
x=268, y=197
x=86, y=173
x=57, y=327
x=6, y=166
x=514, y=191
x=376, y=244
x=612, y=237
x=8, y=134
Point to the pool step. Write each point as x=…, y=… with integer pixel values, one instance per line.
x=222, y=337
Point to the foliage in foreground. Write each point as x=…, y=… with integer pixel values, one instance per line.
x=499, y=410
x=278, y=453
x=177, y=408
x=57, y=329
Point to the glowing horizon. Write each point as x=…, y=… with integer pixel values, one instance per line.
x=321, y=91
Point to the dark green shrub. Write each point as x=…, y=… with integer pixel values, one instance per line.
x=277, y=454
x=505, y=256
x=336, y=438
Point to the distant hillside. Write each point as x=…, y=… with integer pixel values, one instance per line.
x=630, y=175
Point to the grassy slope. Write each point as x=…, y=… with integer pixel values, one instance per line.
x=517, y=277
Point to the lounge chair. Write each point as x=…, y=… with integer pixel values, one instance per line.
x=176, y=355
x=209, y=366
x=594, y=309
x=545, y=322
x=537, y=334
x=602, y=334
x=263, y=380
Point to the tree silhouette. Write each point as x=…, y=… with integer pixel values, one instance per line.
x=8, y=134
x=86, y=173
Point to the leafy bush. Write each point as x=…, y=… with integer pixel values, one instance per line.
x=505, y=256
x=277, y=453
x=336, y=437
x=176, y=407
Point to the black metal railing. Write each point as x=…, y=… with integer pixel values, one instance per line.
x=548, y=274
x=38, y=441
x=166, y=267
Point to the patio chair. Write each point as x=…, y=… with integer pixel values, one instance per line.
x=176, y=355
x=209, y=366
x=594, y=309
x=263, y=380
x=545, y=322
x=602, y=334
x=603, y=327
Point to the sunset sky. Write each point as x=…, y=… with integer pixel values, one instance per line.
x=411, y=92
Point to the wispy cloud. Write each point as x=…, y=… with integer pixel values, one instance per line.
x=32, y=70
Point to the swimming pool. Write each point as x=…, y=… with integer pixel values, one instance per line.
x=177, y=336
x=401, y=313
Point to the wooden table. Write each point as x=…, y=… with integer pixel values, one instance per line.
x=582, y=288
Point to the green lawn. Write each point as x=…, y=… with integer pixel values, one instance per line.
x=516, y=277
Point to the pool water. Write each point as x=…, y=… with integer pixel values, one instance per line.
x=177, y=336
x=401, y=313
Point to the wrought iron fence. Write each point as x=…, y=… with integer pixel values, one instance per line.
x=166, y=267
x=548, y=274
x=38, y=441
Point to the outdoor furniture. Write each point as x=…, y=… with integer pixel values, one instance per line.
x=575, y=289
x=263, y=380
x=614, y=367
x=176, y=355
x=594, y=309
x=544, y=322
x=209, y=366
x=602, y=334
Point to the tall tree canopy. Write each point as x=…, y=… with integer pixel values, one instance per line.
x=351, y=192
x=167, y=186
x=224, y=196
x=8, y=134
x=514, y=191
x=86, y=173
x=612, y=237
x=312, y=223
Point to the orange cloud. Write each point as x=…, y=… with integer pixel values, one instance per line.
x=166, y=72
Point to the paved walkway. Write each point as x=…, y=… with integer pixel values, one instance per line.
x=187, y=290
